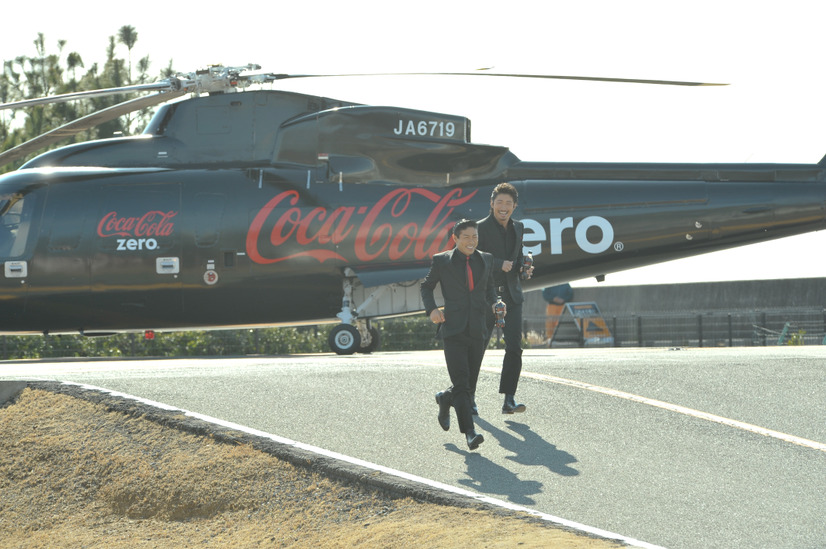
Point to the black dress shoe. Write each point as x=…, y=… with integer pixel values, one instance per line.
x=510, y=406
x=474, y=439
x=444, y=411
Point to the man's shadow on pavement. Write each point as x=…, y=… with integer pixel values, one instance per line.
x=528, y=448
x=489, y=478
x=531, y=449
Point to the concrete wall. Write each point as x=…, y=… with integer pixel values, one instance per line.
x=805, y=293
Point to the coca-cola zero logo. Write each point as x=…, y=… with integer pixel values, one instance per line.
x=137, y=233
x=281, y=227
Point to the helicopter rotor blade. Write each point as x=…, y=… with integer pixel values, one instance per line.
x=482, y=72
x=76, y=126
x=163, y=85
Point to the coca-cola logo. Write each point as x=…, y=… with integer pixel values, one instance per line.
x=392, y=229
x=154, y=223
x=137, y=233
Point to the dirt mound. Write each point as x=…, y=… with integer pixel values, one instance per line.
x=77, y=473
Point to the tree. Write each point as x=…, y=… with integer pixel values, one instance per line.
x=73, y=61
x=128, y=36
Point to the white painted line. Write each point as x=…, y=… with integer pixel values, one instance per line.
x=401, y=474
x=674, y=408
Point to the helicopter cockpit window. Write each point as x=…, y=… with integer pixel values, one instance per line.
x=15, y=222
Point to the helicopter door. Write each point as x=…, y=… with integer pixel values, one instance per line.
x=215, y=271
x=18, y=232
x=137, y=251
x=59, y=270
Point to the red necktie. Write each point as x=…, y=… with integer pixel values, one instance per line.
x=469, y=274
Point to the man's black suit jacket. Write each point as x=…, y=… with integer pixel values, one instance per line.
x=488, y=229
x=462, y=307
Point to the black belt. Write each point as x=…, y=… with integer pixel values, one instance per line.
x=500, y=290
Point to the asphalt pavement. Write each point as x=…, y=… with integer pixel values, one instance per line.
x=682, y=448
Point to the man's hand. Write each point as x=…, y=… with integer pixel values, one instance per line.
x=437, y=316
x=507, y=266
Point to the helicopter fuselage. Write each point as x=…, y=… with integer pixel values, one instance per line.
x=241, y=214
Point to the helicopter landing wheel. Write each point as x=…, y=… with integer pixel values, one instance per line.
x=375, y=341
x=344, y=339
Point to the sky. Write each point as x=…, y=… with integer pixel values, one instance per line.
x=767, y=52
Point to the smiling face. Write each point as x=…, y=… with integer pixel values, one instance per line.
x=466, y=240
x=502, y=206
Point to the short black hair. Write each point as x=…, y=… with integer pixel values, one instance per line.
x=505, y=188
x=462, y=225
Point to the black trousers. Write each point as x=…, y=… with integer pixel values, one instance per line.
x=512, y=363
x=463, y=355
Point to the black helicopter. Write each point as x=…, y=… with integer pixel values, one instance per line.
x=266, y=207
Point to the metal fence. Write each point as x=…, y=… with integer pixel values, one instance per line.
x=694, y=329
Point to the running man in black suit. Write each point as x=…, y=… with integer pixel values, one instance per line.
x=466, y=277
x=501, y=236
